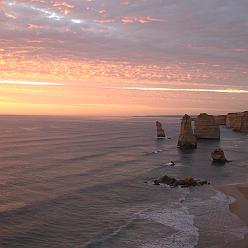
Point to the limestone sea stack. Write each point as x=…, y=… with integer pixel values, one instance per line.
x=230, y=119
x=186, y=139
x=218, y=156
x=240, y=122
x=206, y=127
x=160, y=130
x=220, y=119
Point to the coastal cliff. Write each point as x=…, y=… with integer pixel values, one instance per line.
x=231, y=118
x=220, y=119
x=238, y=121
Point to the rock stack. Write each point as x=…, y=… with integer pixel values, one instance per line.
x=231, y=119
x=240, y=122
x=160, y=130
x=206, y=127
x=187, y=139
x=218, y=156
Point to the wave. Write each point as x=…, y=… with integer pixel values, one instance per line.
x=211, y=206
x=111, y=235
x=153, y=152
x=185, y=233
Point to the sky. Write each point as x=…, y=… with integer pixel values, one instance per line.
x=123, y=57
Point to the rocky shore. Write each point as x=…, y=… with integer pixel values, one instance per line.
x=185, y=182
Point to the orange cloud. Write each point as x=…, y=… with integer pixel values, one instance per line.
x=104, y=20
x=140, y=20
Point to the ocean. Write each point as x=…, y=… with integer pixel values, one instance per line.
x=88, y=183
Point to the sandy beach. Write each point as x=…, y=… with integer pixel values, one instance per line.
x=239, y=207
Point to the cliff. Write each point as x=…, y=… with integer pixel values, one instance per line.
x=206, y=127
x=220, y=119
x=238, y=121
x=230, y=119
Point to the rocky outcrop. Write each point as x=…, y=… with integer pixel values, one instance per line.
x=186, y=182
x=230, y=119
x=160, y=130
x=240, y=123
x=206, y=127
x=218, y=156
x=186, y=139
x=220, y=119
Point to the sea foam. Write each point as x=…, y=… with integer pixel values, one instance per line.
x=185, y=233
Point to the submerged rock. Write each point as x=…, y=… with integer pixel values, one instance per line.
x=186, y=139
x=206, y=127
x=172, y=163
x=186, y=182
x=160, y=130
x=218, y=156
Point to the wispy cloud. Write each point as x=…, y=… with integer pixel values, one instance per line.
x=231, y=91
x=11, y=82
x=94, y=105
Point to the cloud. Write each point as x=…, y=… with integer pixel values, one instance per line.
x=173, y=45
x=228, y=91
x=11, y=82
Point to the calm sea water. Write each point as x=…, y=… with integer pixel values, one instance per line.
x=71, y=182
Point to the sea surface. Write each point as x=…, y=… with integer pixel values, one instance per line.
x=87, y=183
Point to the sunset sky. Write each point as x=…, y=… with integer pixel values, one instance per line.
x=123, y=57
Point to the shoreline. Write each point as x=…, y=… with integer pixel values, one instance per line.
x=239, y=207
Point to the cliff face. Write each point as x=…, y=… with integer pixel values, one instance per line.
x=160, y=130
x=220, y=119
x=206, y=127
x=238, y=121
x=186, y=139
x=230, y=119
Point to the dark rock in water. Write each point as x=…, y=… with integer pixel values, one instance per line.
x=218, y=156
x=156, y=182
x=160, y=130
x=167, y=180
x=172, y=163
x=186, y=182
x=187, y=139
x=206, y=127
